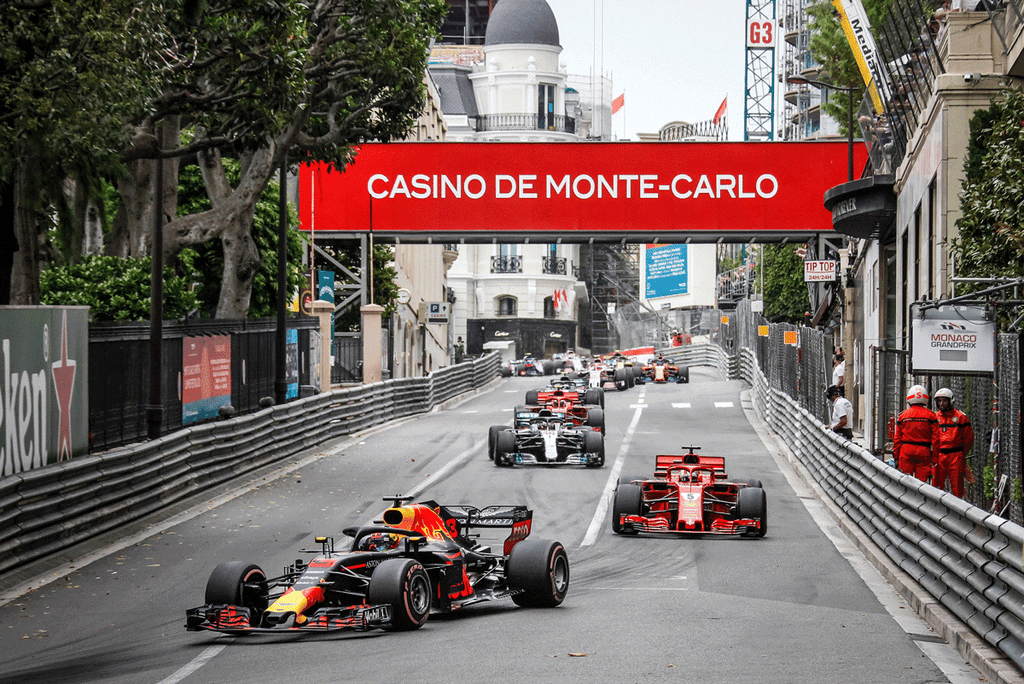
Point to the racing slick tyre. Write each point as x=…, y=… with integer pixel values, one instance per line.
x=594, y=396
x=752, y=503
x=750, y=483
x=621, y=381
x=238, y=583
x=593, y=442
x=595, y=418
x=626, y=502
x=531, y=397
x=684, y=374
x=404, y=585
x=505, y=370
x=492, y=438
x=630, y=378
x=628, y=479
x=504, y=448
x=541, y=569
x=638, y=373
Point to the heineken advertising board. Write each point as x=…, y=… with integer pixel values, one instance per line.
x=44, y=402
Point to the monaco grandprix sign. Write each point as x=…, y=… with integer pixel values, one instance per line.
x=952, y=340
x=577, y=192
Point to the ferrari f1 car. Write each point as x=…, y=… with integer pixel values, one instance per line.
x=419, y=558
x=578, y=384
x=690, y=494
x=567, y=400
x=540, y=436
x=661, y=370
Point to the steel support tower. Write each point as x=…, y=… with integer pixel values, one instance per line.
x=759, y=84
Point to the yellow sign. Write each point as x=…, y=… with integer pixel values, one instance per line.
x=763, y=331
x=791, y=337
x=725, y=320
x=858, y=33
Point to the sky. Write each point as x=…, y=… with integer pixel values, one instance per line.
x=675, y=60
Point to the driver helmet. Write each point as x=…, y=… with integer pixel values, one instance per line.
x=917, y=395
x=945, y=392
x=379, y=541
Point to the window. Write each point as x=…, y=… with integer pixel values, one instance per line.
x=549, y=307
x=506, y=306
x=545, y=106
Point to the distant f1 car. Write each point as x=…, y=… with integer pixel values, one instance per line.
x=578, y=384
x=560, y=399
x=690, y=493
x=542, y=437
x=661, y=370
x=525, y=366
x=419, y=558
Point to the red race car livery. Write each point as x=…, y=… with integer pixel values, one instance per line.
x=690, y=494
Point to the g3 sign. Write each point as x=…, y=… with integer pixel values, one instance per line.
x=760, y=33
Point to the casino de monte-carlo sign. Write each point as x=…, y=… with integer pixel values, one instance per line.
x=44, y=403
x=576, y=192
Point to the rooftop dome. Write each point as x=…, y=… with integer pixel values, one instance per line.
x=522, y=21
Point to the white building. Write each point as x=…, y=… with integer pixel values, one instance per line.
x=513, y=88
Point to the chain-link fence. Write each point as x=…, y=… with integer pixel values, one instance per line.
x=796, y=360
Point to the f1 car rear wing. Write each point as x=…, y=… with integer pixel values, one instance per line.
x=663, y=462
x=462, y=520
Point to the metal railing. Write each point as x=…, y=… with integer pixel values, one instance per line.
x=503, y=263
x=553, y=265
x=524, y=122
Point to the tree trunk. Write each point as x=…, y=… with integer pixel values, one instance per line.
x=8, y=241
x=25, y=271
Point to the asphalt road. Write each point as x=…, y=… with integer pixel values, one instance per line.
x=799, y=605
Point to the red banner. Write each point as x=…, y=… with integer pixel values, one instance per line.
x=584, y=188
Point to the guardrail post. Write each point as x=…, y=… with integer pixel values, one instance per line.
x=324, y=311
x=372, y=314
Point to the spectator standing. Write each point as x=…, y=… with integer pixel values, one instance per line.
x=460, y=351
x=842, y=412
x=916, y=444
x=956, y=439
x=838, y=368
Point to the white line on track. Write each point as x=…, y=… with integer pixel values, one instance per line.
x=196, y=663
x=613, y=480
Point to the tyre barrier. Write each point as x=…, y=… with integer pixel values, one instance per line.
x=45, y=510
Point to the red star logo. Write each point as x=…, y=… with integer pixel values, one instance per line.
x=64, y=384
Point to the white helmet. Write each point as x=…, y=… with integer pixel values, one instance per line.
x=945, y=392
x=917, y=395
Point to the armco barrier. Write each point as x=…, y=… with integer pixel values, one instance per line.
x=47, y=509
x=968, y=559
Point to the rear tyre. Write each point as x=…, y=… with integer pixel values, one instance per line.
x=630, y=378
x=753, y=503
x=504, y=448
x=238, y=583
x=505, y=370
x=626, y=502
x=594, y=396
x=621, y=382
x=531, y=397
x=492, y=438
x=684, y=374
x=750, y=483
x=595, y=418
x=404, y=585
x=541, y=569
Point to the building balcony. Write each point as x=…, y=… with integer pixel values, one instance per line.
x=524, y=122
x=554, y=266
x=506, y=264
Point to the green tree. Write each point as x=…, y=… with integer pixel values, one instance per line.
x=385, y=290
x=990, y=242
x=114, y=288
x=831, y=50
x=208, y=258
x=785, y=293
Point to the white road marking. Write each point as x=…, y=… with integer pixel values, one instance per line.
x=196, y=662
x=681, y=405
x=723, y=404
x=609, y=487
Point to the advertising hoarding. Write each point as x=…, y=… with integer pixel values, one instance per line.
x=702, y=191
x=205, y=377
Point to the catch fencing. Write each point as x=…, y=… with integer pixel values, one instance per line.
x=45, y=510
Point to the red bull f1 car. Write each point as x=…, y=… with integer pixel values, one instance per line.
x=690, y=494
x=418, y=559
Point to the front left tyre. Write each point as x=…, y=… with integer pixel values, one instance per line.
x=404, y=586
x=540, y=568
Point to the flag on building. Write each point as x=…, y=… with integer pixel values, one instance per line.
x=721, y=110
x=618, y=102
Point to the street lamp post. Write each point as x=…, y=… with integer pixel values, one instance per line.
x=800, y=80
